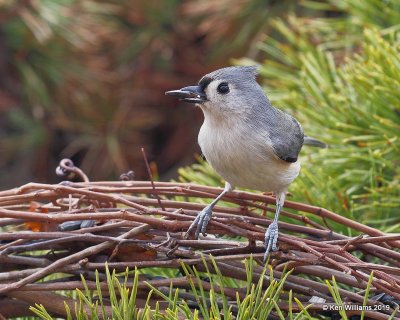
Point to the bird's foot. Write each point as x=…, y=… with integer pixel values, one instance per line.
x=200, y=223
x=271, y=239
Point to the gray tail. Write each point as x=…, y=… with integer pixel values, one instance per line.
x=314, y=142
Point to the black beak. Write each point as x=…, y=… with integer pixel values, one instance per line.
x=192, y=94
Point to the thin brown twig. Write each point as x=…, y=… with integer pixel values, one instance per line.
x=146, y=162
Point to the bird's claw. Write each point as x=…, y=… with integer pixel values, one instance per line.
x=271, y=239
x=200, y=223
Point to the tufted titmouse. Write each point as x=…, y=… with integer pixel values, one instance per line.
x=246, y=140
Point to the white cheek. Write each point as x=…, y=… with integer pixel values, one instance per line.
x=211, y=92
x=219, y=102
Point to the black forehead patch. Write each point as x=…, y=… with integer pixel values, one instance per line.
x=204, y=82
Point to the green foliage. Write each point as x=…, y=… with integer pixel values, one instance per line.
x=257, y=303
x=91, y=305
x=214, y=304
x=204, y=299
x=201, y=173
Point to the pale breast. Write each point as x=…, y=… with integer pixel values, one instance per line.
x=245, y=158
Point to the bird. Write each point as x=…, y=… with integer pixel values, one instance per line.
x=247, y=141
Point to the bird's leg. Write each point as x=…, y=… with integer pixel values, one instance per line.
x=205, y=215
x=271, y=235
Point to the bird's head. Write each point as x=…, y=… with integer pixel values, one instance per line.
x=227, y=91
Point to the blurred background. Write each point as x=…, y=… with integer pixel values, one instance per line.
x=85, y=79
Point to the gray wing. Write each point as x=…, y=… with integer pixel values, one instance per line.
x=286, y=135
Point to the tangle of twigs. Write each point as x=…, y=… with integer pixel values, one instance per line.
x=141, y=224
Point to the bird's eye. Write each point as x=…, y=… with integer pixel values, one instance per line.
x=223, y=88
